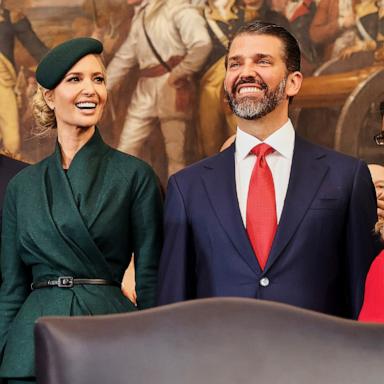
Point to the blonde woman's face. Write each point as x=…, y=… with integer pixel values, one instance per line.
x=79, y=99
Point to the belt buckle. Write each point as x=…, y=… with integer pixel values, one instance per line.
x=65, y=282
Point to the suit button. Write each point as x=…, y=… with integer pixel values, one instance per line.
x=264, y=282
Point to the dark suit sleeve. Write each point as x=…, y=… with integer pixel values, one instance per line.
x=362, y=245
x=176, y=273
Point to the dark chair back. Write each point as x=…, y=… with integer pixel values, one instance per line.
x=210, y=341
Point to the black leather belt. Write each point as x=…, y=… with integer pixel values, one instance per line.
x=69, y=282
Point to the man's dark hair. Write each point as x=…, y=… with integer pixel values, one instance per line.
x=291, y=47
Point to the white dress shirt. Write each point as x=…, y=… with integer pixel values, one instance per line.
x=279, y=162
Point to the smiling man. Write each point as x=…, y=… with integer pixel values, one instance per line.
x=272, y=217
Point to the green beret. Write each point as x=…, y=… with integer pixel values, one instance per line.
x=59, y=60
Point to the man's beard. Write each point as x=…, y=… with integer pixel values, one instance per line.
x=248, y=107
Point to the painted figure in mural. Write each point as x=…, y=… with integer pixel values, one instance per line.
x=224, y=18
x=348, y=26
x=333, y=27
x=88, y=208
x=369, y=17
x=246, y=222
x=300, y=15
x=169, y=42
x=111, y=21
x=13, y=25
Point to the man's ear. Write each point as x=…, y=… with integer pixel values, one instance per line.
x=294, y=81
x=49, y=98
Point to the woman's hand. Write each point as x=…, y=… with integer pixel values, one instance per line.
x=128, y=285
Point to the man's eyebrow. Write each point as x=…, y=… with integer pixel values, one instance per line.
x=234, y=58
x=255, y=56
x=263, y=56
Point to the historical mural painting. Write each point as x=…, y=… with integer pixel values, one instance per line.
x=171, y=120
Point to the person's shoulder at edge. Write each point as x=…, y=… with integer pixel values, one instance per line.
x=27, y=174
x=9, y=169
x=11, y=163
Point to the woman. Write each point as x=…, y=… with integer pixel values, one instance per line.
x=373, y=305
x=72, y=221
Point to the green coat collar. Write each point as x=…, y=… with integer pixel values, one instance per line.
x=94, y=149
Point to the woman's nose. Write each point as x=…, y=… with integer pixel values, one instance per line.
x=89, y=87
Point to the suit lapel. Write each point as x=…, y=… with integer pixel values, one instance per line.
x=307, y=174
x=220, y=184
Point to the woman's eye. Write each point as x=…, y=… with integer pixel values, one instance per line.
x=74, y=79
x=233, y=65
x=99, y=79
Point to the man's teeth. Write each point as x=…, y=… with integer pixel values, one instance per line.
x=249, y=90
x=86, y=105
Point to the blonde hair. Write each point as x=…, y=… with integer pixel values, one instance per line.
x=44, y=116
x=379, y=228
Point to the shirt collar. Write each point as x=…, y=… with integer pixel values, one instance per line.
x=282, y=141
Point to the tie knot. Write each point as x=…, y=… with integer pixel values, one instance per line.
x=262, y=150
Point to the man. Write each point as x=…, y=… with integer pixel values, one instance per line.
x=169, y=42
x=291, y=224
x=224, y=18
x=13, y=24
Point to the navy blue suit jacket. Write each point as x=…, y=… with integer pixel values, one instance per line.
x=322, y=250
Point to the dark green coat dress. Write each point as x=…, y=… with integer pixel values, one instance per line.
x=83, y=223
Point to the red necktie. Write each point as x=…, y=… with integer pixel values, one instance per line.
x=261, y=206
